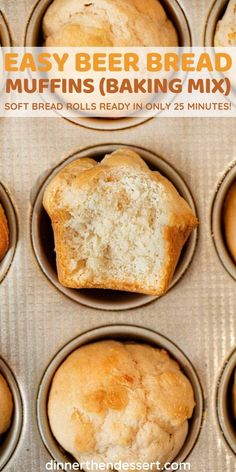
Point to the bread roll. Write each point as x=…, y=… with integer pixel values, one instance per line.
x=108, y=23
x=226, y=28
x=229, y=219
x=6, y=405
x=112, y=401
x=4, y=234
x=234, y=395
x=117, y=225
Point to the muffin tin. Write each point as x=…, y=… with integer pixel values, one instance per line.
x=34, y=38
x=9, y=441
x=10, y=212
x=198, y=314
x=43, y=242
x=127, y=333
x=216, y=220
x=224, y=400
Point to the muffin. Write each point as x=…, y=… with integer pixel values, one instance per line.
x=226, y=28
x=112, y=401
x=229, y=220
x=234, y=395
x=108, y=23
x=4, y=234
x=117, y=224
x=6, y=406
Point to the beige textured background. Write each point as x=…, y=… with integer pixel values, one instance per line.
x=198, y=314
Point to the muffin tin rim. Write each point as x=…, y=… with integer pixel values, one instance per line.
x=183, y=28
x=227, y=371
x=103, y=332
x=35, y=244
x=177, y=3
x=18, y=413
x=4, y=23
x=217, y=205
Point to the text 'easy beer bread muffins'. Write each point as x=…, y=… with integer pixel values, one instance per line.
x=6, y=405
x=117, y=224
x=4, y=233
x=108, y=23
x=112, y=401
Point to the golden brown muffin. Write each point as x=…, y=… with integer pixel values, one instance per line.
x=229, y=220
x=4, y=234
x=6, y=405
x=117, y=224
x=226, y=28
x=234, y=395
x=112, y=401
x=108, y=23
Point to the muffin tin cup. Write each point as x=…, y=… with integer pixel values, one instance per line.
x=217, y=224
x=9, y=441
x=34, y=38
x=10, y=212
x=5, y=35
x=216, y=13
x=120, y=333
x=224, y=402
x=43, y=242
x=5, y=42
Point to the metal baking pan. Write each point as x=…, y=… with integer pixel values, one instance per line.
x=197, y=314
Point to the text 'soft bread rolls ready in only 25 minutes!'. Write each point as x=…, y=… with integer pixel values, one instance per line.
x=117, y=224
x=108, y=23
